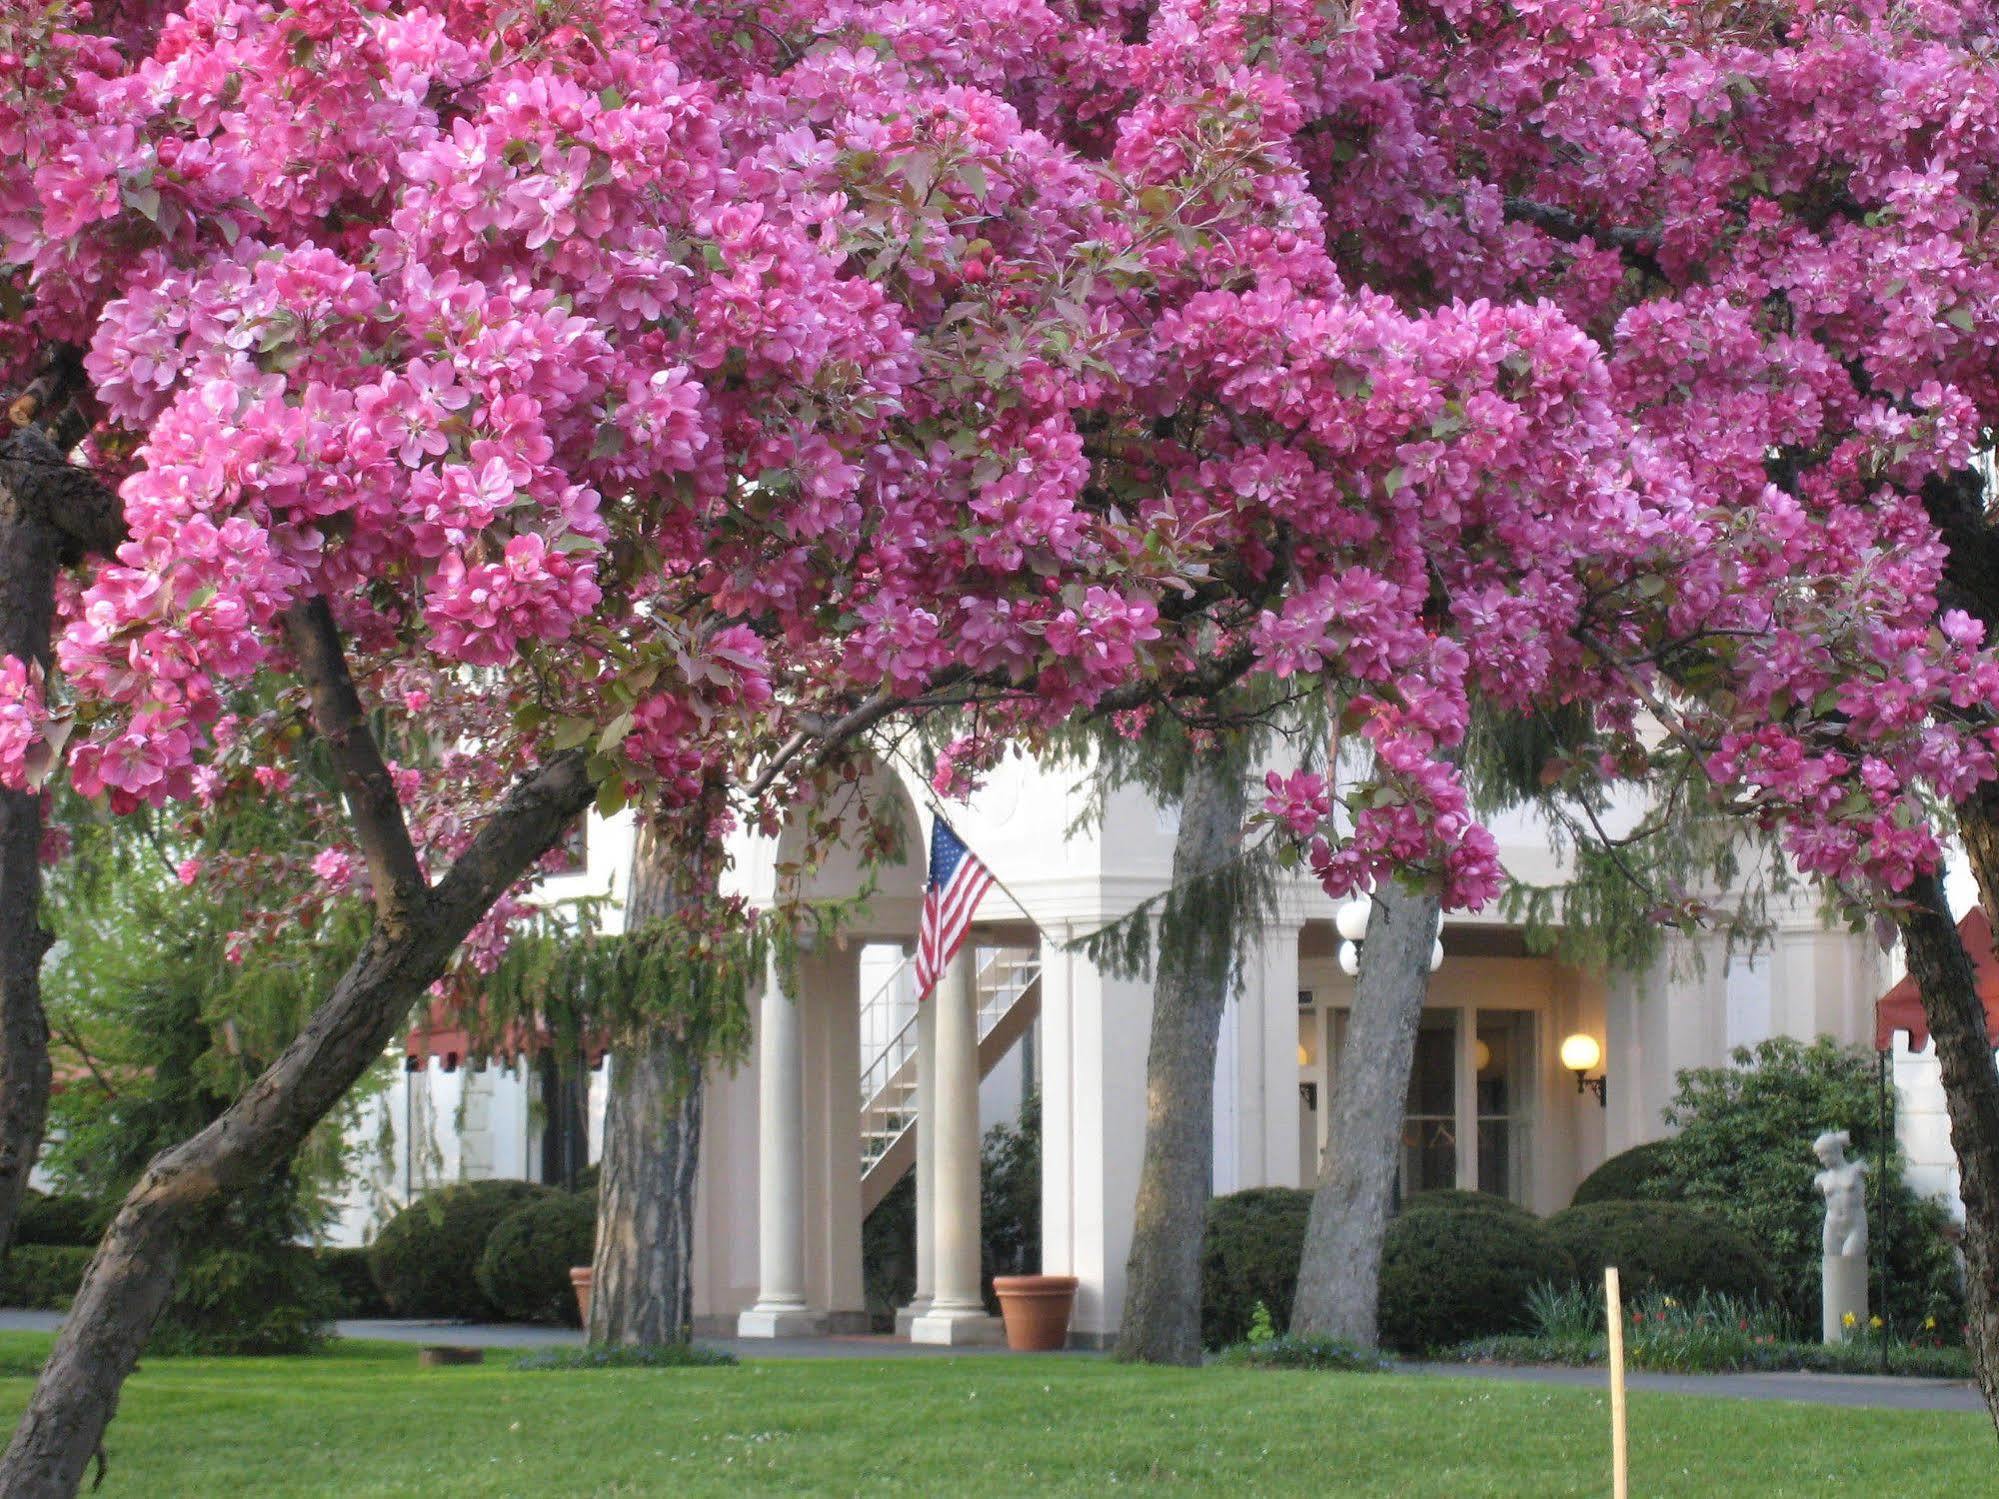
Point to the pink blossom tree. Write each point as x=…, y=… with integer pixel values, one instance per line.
x=644, y=401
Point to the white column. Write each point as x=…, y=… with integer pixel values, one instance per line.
x=957, y=1311
x=926, y=1168
x=1093, y=1031
x=780, y=1310
x=1257, y=1072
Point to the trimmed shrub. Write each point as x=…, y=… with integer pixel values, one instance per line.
x=1254, y=1241
x=1455, y=1199
x=62, y=1219
x=425, y=1259
x=1450, y=1274
x=524, y=1269
x=346, y=1272
x=1627, y=1176
x=1666, y=1247
x=43, y=1277
x=245, y=1301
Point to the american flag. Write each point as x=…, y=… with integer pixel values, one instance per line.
x=957, y=883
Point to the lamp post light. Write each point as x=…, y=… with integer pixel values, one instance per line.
x=1580, y=1053
x=1351, y=922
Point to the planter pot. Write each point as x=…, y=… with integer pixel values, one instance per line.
x=1036, y=1310
x=580, y=1278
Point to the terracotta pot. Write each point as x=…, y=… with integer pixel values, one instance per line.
x=1036, y=1310
x=580, y=1278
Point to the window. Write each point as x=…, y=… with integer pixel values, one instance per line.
x=1430, y=1112
x=1504, y=1058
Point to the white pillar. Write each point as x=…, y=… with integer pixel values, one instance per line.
x=957, y=1311
x=780, y=1310
x=1093, y=1030
x=926, y=1167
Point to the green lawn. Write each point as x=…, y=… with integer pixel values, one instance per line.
x=363, y=1419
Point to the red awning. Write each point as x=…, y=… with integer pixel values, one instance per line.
x=444, y=1038
x=1901, y=1008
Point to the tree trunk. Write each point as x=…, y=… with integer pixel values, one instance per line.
x=1162, y=1310
x=642, y=1287
x=50, y=515
x=133, y=1270
x=1943, y=971
x=1339, y=1276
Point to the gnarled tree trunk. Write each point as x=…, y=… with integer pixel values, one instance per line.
x=416, y=928
x=51, y=515
x=642, y=1286
x=1162, y=1309
x=1339, y=1276
x=1943, y=971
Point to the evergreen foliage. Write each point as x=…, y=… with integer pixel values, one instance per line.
x=426, y=1258
x=1643, y=1171
x=1249, y=1259
x=162, y=1012
x=1451, y=1274
x=64, y=1218
x=1669, y=1247
x=1744, y=1150
x=43, y=1277
x=523, y=1272
x=1458, y=1200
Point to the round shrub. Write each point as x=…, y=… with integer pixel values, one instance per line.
x=62, y=1219
x=1626, y=1176
x=355, y=1293
x=1254, y=1241
x=1452, y=1274
x=524, y=1269
x=1456, y=1199
x=426, y=1256
x=1667, y=1247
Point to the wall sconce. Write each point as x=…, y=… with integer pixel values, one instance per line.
x=1579, y=1054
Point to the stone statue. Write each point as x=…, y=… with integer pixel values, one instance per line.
x=1845, y=1193
x=1843, y=1272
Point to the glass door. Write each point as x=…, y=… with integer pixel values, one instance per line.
x=1430, y=1113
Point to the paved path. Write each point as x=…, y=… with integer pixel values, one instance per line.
x=1886, y=1393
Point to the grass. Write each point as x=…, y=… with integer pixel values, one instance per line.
x=362, y=1419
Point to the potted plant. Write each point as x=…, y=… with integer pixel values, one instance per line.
x=580, y=1277
x=1035, y=1309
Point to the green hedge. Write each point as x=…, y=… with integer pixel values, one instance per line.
x=1450, y=1274
x=62, y=1219
x=1456, y=1199
x=425, y=1259
x=43, y=1277
x=524, y=1270
x=1627, y=1176
x=346, y=1272
x=245, y=1300
x=1662, y=1246
x=1254, y=1241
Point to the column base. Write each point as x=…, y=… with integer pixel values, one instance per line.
x=781, y=1322
x=957, y=1327
x=905, y=1315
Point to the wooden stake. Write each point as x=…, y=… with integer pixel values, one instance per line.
x=1614, y=1321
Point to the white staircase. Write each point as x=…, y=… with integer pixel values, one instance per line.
x=1009, y=983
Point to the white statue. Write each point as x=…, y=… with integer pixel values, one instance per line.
x=1845, y=1193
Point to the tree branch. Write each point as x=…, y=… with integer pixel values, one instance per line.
x=372, y=804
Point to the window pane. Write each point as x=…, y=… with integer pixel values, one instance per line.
x=1433, y=1079
x=1504, y=1054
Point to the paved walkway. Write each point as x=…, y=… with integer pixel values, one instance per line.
x=1873, y=1390
x=1886, y=1392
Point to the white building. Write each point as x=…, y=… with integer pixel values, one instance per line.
x=845, y=1095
